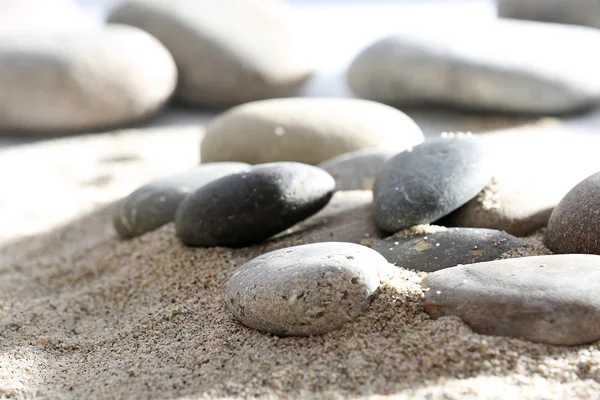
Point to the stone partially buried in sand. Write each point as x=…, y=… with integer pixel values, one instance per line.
x=250, y=206
x=446, y=248
x=576, y=12
x=57, y=82
x=549, y=299
x=430, y=181
x=574, y=225
x=357, y=170
x=153, y=205
x=305, y=290
x=483, y=66
x=228, y=51
x=307, y=130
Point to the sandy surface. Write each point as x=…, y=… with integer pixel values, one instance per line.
x=83, y=315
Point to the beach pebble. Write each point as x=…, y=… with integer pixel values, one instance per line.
x=446, y=248
x=483, y=66
x=357, y=170
x=430, y=181
x=250, y=206
x=574, y=225
x=153, y=205
x=57, y=82
x=307, y=130
x=576, y=12
x=549, y=299
x=227, y=51
x=305, y=290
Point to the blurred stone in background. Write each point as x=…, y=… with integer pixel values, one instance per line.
x=575, y=12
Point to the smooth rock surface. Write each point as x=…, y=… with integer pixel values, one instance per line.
x=154, y=204
x=574, y=226
x=549, y=299
x=576, y=12
x=228, y=51
x=57, y=82
x=357, y=170
x=305, y=290
x=307, y=130
x=250, y=206
x=483, y=66
x=446, y=248
x=430, y=181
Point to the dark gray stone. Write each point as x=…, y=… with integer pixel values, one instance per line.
x=250, y=206
x=154, y=205
x=446, y=248
x=575, y=12
x=357, y=170
x=430, y=181
x=305, y=290
x=549, y=299
x=574, y=226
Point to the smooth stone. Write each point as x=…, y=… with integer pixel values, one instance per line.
x=430, y=181
x=250, y=206
x=357, y=170
x=574, y=225
x=487, y=66
x=446, y=248
x=307, y=130
x=154, y=205
x=548, y=299
x=57, y=82
x=575, y=12
x=305, y=290
x=228, y=51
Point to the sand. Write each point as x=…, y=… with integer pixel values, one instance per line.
x=84, y=315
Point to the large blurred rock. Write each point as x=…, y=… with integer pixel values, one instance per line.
x=228, y=51
x=59, y=81
x=576, y=12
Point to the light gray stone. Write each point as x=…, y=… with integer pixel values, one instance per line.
x=576, y=12
x=549, y=299
x=305, y=290
x=502, y=66
x=228, y=51
x=307, y=130
x=57, y=82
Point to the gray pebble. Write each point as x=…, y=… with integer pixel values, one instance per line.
x=548, y=299
x=446, y=248
x=154, y=205
x=305, y=290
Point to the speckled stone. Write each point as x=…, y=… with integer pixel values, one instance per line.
x=549, y=299
x=305, y=290
x=357, y=170
x=430, y=181
x=575, y=12
x=574, y=225
x=307, y=130
x=446, y=248
x=153, y=205
x=250, y=206
x=484, y=66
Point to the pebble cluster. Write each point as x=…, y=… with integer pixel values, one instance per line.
x=270, y=162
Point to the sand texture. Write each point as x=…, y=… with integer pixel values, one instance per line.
x=85, y=316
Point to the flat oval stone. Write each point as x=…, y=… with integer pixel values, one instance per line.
x=574, y=225
x=307, y=130
x=494, y=72
x=446, y=248
x=250, y=206
x=430, y=181
x=305, y=290
x=154, y=205
x=64, y=81
x=548, y=299
x=358, y=169
x=575, y=12
x=228, y=52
